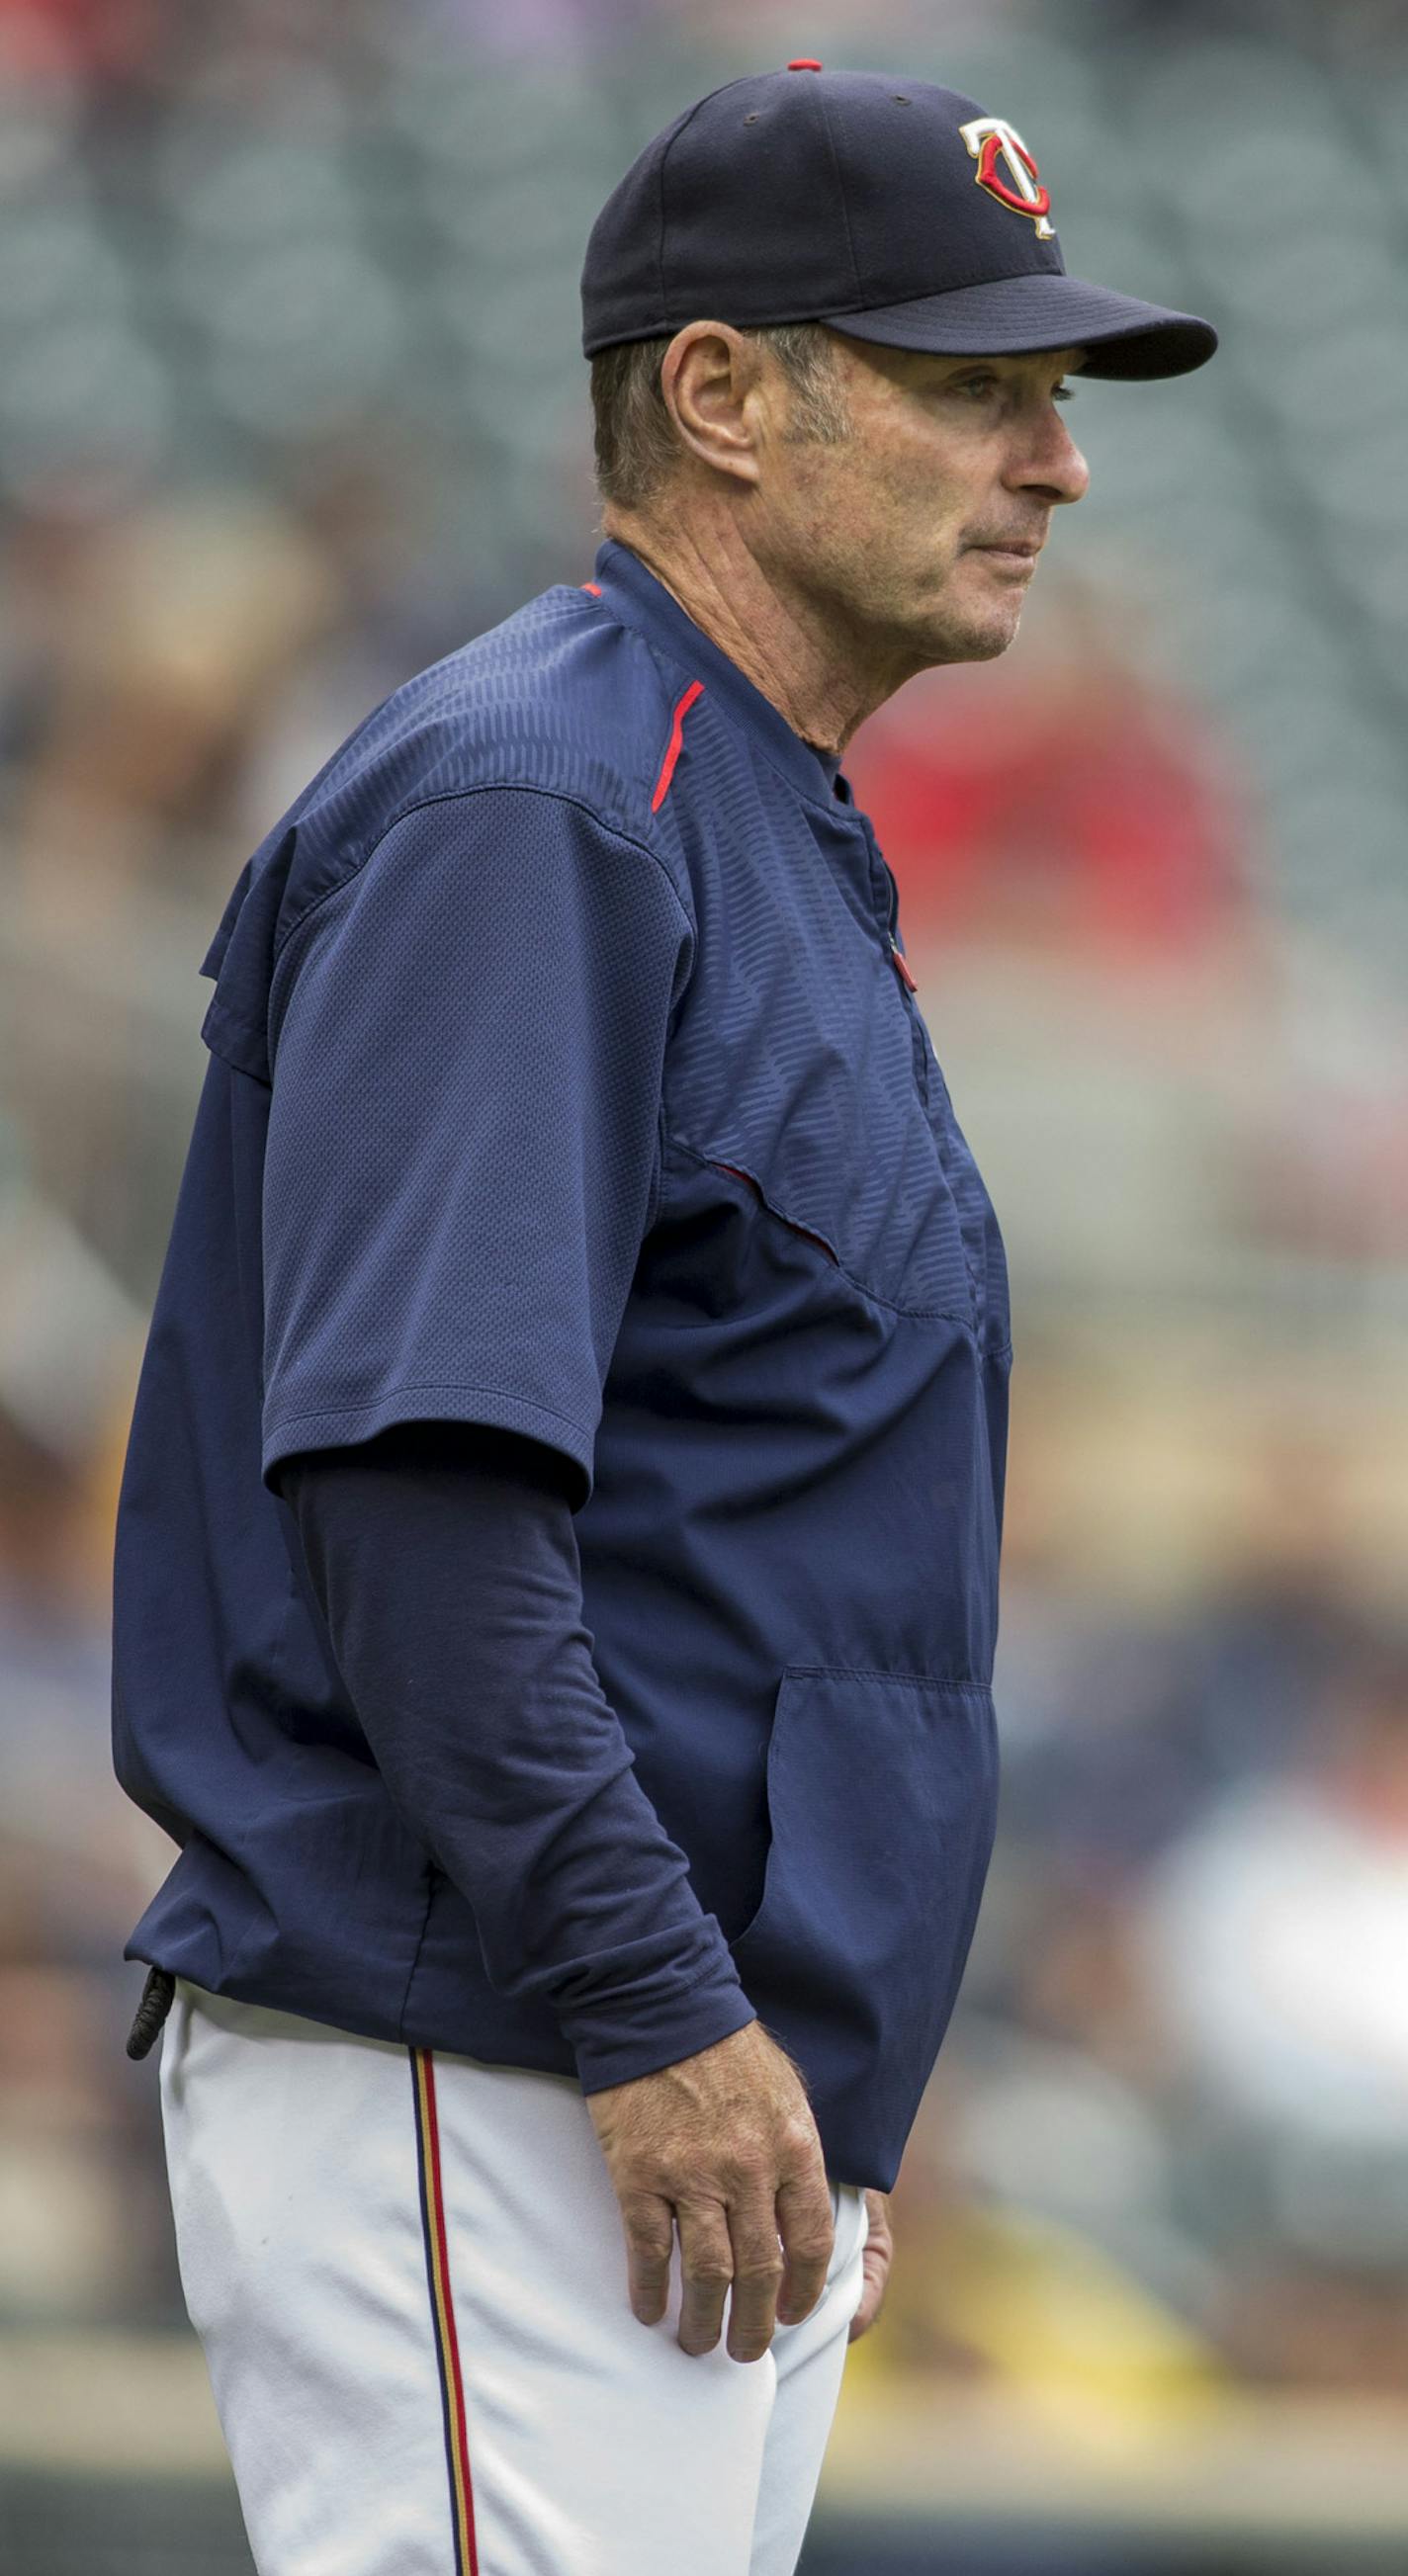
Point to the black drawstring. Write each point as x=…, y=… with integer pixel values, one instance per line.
x=151, y=2011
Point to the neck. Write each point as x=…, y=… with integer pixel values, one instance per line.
x=816, y=666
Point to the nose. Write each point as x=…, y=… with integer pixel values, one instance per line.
x=1049, y=462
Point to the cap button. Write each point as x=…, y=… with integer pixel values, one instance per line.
x=804, y=63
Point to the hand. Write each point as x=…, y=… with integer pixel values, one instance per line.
x=722, y=2145
x=875, y=2263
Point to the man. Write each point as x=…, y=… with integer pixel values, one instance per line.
x=556, y=1578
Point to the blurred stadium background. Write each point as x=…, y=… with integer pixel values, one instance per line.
x=291, y=404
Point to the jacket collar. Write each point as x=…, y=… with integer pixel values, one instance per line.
x=633, y=595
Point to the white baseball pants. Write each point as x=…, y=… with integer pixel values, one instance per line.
x=408, y=2273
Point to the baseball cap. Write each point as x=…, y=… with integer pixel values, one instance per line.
x=899, y=211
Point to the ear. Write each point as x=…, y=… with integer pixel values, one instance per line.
x=711, y=380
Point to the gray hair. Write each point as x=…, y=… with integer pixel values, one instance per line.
x=636, y=444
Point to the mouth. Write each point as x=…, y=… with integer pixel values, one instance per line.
x=1018, y=554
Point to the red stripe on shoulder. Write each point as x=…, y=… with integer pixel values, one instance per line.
x=593, y=586
x=675, y=743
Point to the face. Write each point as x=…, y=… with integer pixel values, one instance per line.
x=920, y=529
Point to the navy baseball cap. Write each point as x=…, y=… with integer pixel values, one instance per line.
x=896, y=210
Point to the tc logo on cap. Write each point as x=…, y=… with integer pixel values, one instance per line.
x=991, y=139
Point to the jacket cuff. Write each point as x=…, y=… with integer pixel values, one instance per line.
x=657, y=2021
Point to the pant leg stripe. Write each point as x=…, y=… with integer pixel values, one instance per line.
x=442, y=2309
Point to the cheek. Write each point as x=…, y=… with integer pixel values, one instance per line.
x=875, y=521
x=926, y=506
x=893, y=515
x=838, y=517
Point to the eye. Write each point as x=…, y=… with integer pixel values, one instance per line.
x=981, y=383
x=1063, y=393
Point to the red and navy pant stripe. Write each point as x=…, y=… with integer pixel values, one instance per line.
x=442, y=2310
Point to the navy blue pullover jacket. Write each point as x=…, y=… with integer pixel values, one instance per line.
x=566, y=1078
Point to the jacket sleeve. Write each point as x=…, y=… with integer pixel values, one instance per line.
x=467, y=1035
x=445, y=1561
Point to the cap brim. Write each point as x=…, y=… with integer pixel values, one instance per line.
x=1042, y=309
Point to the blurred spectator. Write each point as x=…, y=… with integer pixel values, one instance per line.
x=1060, y=803
x=1272, y=1940
x=84, y=2230
x=185, y=623
x=1277, y=1931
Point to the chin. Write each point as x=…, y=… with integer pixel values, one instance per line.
x=987, y=646
x=972, y=640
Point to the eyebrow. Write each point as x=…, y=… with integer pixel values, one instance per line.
x=995, y=357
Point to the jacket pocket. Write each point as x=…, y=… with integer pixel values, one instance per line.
x=882, y=1798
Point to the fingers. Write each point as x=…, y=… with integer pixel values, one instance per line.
x=729, y=2254
x=722, y=2145
x=872, y=2292
x=757, y=2276
x=808, y=2238
x=706, y=2266
x=875, y=2265
x=650, y=2239
x=772, y=2256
